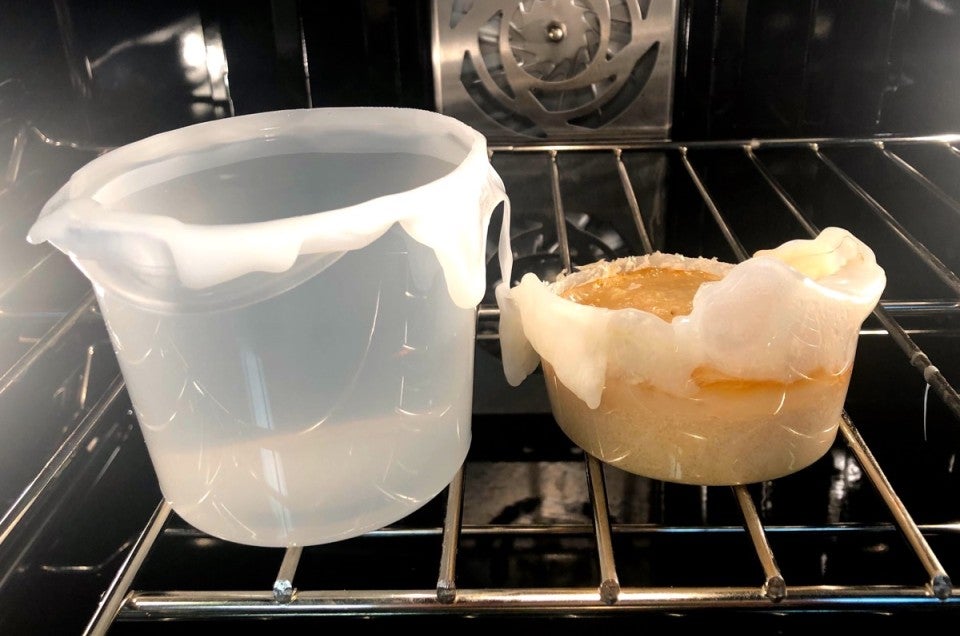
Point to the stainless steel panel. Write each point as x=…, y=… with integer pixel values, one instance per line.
x=555, y=70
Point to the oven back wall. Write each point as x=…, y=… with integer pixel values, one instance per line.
x=782, y=68
x=779, y=68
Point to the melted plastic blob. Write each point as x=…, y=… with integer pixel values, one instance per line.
x=745, y=382
x=782, y=315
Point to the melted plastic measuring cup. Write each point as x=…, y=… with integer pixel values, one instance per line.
x=291, y=296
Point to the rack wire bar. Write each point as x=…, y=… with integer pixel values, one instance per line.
x=915, y=307
x=56, y=142
x=453, y=519
x=732, y=240
x=283, y=589
x=83, y=391
x=632, y=201
x=943, y=272
x=16, y=282
x=16, y=157
x=920, y=361
x=572, y=529
x=609, y=588
x=919, y=177
x=721, y=144
x=180, y=605
x=58, y=462
x=114, y=596
x=943, y=389
x=49, y=340
x=558, y=211
x=774, y=586
x=939, y=583
x=609, y=581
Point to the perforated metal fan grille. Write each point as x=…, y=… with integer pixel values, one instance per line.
x=557, y=70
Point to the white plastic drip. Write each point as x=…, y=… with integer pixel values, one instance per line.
x=448, y=212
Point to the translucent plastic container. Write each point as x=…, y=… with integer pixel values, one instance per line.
x=724, y=374
x=292, y=297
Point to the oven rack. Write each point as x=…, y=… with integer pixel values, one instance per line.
x=122, y=601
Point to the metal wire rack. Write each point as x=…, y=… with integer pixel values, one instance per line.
x=123, y=601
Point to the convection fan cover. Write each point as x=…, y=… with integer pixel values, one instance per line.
x=556, y=70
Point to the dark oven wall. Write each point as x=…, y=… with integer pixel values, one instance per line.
x=817, y=68
x=109, y=72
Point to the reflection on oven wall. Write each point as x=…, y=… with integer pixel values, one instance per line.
x=778, y=68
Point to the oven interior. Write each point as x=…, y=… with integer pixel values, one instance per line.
x=786, y=118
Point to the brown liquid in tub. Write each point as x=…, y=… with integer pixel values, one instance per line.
x=662, y=292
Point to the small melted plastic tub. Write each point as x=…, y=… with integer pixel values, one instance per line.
x=696, y=371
